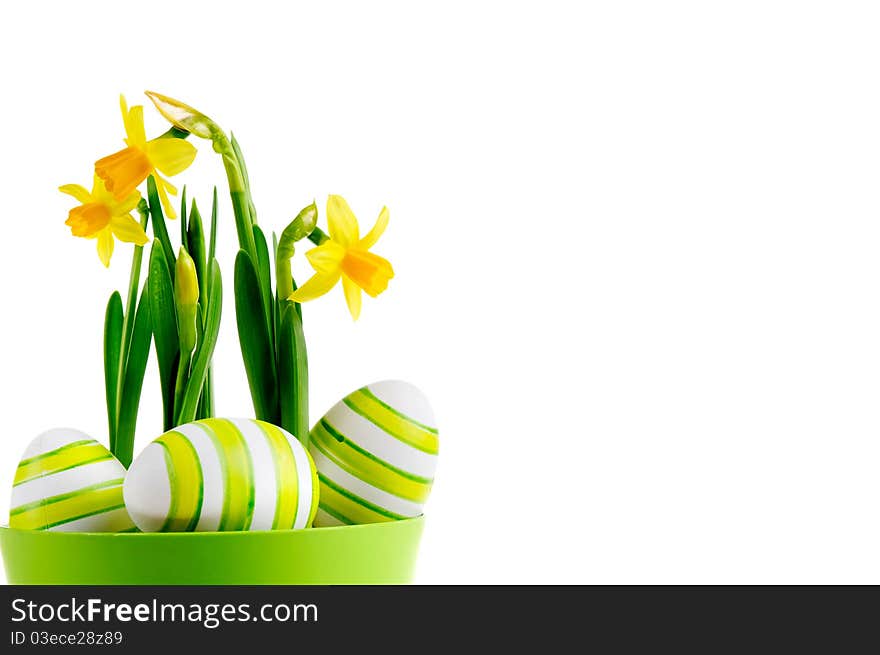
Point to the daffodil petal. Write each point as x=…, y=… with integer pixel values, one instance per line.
x=352, y=297
x=341, y=221
x=378, y=229
x=135, y=134
x=315, y=286
x=162, y=182
x=164, y=187
x=126, y=228
x=105, y=247
x=77, y=191
x=327, y=258
x=123, y=107
x=127, y=205
x=99, y=191
x=171, y=156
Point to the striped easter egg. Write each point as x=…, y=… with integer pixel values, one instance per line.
x=376, y=452
x=222, y=475
x=68, y=482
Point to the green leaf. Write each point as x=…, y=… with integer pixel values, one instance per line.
x=263, y=273
x=133, y=381
x=205, y=350
x=212, y=248
x=293, y=374
x=183, y=227
x=299, y=228
x=206, y=402
x=159, y=228
x=164, y=321
x=112, y=351
x=195, y=245
x=253, y=336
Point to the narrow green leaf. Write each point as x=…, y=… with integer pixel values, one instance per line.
x=201, y=409
x=293, y=373
x=112, y=351
x=298, y=306
x=164, y=322
x=264, y=276
x=159, y=228
x=212, y=248
x=205, y=350
x=180, y=385
x=195, y=240
x=133, y=381
x=208, y=394
x=253, y=336
x=183, y=226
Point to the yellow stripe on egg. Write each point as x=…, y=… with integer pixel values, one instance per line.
x=287, y=489
x=61, y=459
x=55, y=510
x=186, y=484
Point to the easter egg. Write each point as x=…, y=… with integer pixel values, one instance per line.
x=376, y=452
x=68, y=482
x=222, y=475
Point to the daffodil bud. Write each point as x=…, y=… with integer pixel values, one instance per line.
x=183, y=116
x=186, y=296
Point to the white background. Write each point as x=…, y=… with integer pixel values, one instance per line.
x=636, y=248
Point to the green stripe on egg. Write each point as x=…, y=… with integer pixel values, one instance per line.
x=67, y=481
x=376, y=453
x=222, y=475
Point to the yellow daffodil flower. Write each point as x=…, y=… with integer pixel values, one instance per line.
x=101, y=216
x=123, y=171
x=346, y=256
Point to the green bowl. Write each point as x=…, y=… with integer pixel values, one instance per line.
x=379, y=553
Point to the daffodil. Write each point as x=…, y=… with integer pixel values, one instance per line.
x=346, y=256
x=101, y=216
x=123, y=171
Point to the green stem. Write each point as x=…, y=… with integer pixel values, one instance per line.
x=238, y=190
x=160, y=231
x=317, y=236
x=180, y=386
x=243, y=224
x=134, y=283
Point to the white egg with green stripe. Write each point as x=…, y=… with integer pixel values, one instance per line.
x=376, y=453
x=68, y=482
x=219, y=475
